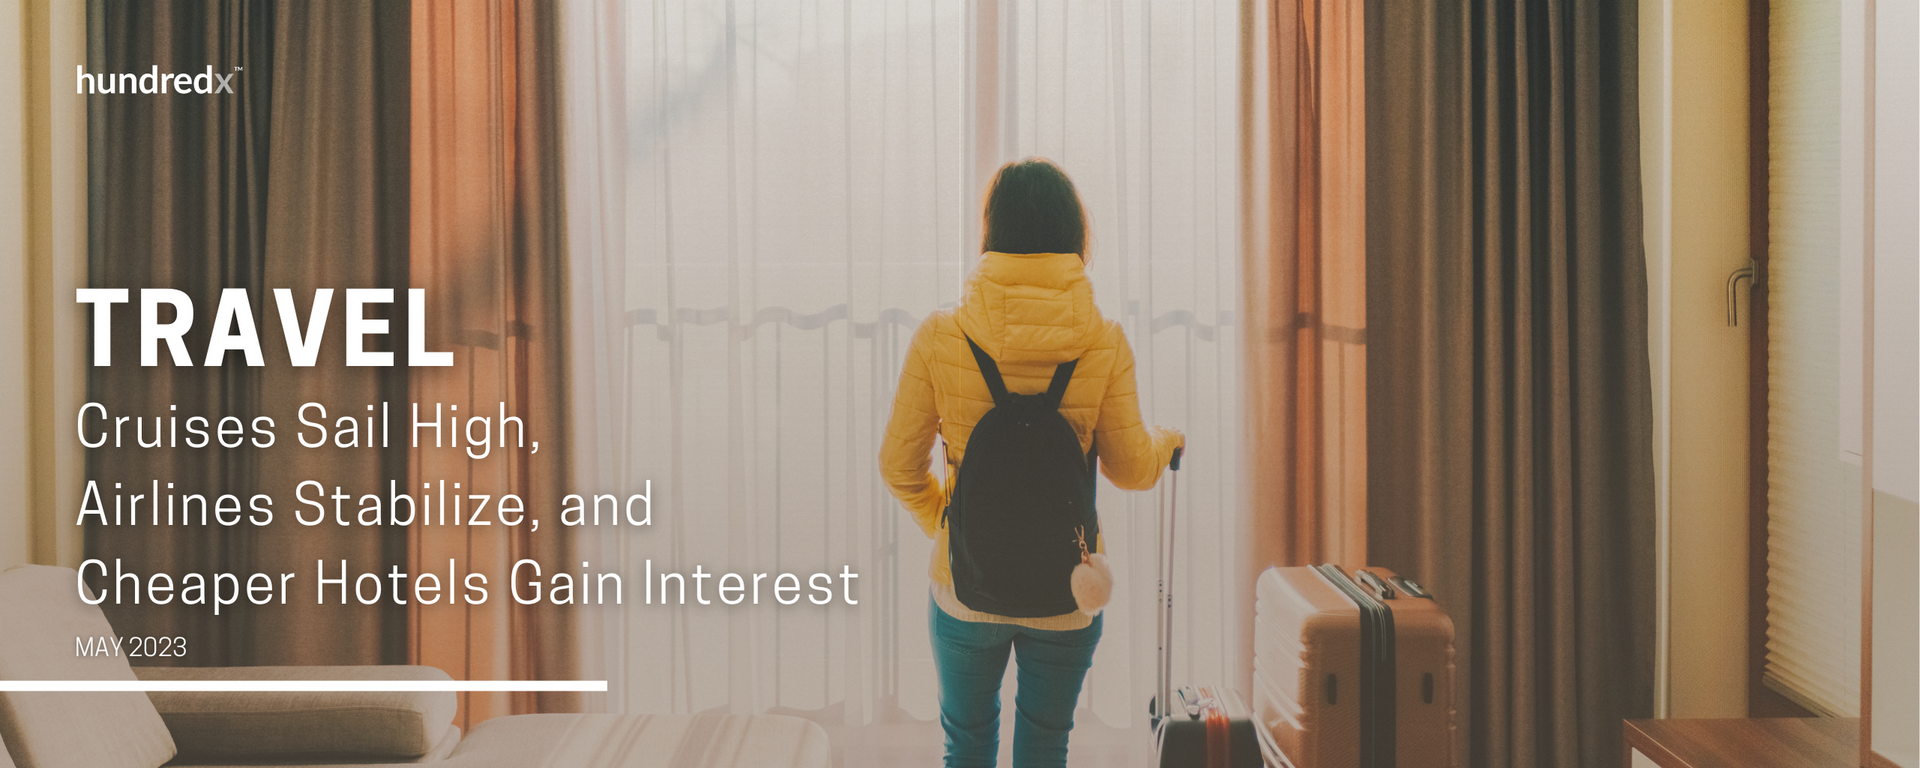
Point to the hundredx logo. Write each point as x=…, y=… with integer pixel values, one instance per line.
x=153, y=81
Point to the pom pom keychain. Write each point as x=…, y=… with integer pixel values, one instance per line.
x=1092, y=579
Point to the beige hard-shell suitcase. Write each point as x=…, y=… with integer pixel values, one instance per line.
x=1353, y=668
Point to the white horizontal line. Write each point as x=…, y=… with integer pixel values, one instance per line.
x=303, y=686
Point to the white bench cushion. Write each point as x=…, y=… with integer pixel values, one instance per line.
x=43, y=615
x=271, y=726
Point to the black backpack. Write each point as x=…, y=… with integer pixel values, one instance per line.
x=1022, y=503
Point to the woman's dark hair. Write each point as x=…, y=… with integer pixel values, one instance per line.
x=1032, y=207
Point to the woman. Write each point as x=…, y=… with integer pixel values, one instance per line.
x=1030, y=307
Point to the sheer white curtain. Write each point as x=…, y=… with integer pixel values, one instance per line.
x=764, y=199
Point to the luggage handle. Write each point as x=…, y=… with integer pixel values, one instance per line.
x=1373, y=582
x=1192, y=701
x=1161, y=705
x=1411, y=588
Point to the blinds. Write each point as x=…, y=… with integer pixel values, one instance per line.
x=1813, y=441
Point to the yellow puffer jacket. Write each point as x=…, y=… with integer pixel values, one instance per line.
x=1029, y=312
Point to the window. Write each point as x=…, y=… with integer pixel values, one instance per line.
x=764, y=199
x=1814, y=363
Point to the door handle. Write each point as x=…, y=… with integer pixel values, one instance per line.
x=1733, y=295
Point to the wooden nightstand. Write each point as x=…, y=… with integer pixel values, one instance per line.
x=1800, y=742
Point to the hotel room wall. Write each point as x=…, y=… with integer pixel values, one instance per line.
x=1706, y=361
x=15, y=541
x=45, y=225
x=1895, y=368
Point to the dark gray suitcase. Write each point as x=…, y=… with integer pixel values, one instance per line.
x=1207, y=726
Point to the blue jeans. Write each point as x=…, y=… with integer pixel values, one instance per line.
x=971, y=657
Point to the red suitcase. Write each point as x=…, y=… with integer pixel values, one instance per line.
x=1353, y=669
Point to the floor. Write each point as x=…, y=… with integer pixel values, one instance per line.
x=914, y=743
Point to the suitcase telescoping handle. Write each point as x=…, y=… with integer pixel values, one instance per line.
x=1162, y=701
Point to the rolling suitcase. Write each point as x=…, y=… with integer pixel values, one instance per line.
x=1353, y=669
x=1208, y=726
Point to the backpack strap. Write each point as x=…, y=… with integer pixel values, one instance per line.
x=1057, y=390
x=989, y=370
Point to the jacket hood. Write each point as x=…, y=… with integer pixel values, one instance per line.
x=1030, y=308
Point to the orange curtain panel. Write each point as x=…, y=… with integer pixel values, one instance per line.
x=1306, y=282
x=485, y=244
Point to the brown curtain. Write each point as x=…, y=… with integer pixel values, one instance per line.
x=486, y=249
x=1510, y=406
x=296, y=180
x=1306, y=282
